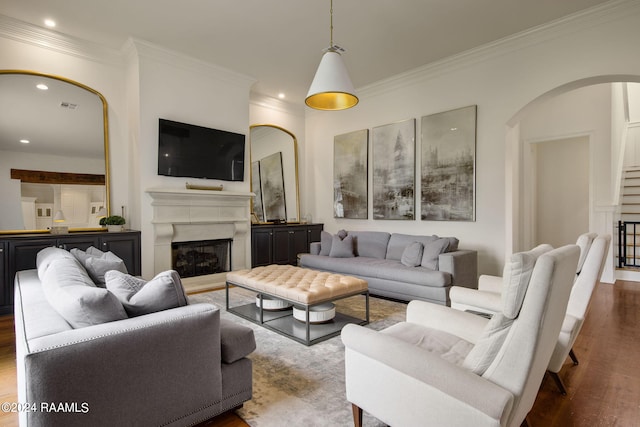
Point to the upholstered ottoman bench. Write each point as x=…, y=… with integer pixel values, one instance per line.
x=305, y=290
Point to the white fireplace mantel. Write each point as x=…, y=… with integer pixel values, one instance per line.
x=182, y=215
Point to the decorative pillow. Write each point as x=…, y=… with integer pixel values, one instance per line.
x=140, y=297
x=70, y=291
x=341, y=248
x=412, y=254
x=325, y=243
x=432, y=251
x=46, y=256
x=98, y=263
x=484, y=352
x=341, y=234
x=515, y=279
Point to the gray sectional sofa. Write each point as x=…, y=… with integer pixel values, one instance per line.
x=399, y=266
x=91, y=362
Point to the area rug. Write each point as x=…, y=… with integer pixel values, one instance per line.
x=296, y=385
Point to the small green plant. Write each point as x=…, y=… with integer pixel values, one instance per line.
x=112, y=220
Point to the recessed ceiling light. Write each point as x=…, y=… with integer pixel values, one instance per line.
x=281, y=95
x=42, y=86
x=454, y=129
x=24, y=141
x=50, y=23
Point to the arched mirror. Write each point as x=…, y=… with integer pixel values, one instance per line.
x=53, y=153
x=274, y=174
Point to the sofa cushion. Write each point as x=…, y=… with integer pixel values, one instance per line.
x=71, y=292
x=236, y=341
x=325, y=243
x=98, y=263
x=398, y=242
x=432, y=251
x=412, y=254
x=489, y=344
x=366, y=267
x=371, y=244
x=341, y=248
x=140, y=297
x=47, y=255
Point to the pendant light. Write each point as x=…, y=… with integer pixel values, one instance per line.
x=331, y=88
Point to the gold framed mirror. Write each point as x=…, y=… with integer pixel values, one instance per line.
x=274, y=174
x=54, y=153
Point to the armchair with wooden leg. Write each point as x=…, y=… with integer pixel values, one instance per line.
x=446, y=367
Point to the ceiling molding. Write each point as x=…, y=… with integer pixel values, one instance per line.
x=24, y=32
x=145, y=49
x=576, y=22
x=264, y=101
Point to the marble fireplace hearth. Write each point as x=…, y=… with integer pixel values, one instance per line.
x=182, y=215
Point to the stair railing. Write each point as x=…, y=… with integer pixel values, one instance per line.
x=624, y=260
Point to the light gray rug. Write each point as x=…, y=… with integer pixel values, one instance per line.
x=296, y=385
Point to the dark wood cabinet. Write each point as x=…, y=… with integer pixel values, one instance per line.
x=18, y=252
x=281, y=244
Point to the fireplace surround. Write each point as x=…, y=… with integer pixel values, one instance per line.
x=186, y=215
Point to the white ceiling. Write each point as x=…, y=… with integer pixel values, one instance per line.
x=280, y=42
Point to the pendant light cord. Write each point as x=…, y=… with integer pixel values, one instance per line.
x=331, y=13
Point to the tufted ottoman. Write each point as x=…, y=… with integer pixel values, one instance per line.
x=305, y=289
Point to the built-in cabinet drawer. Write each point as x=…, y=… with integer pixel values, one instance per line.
x=281, y=244
x=19, y=253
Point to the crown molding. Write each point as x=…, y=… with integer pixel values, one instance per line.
x=24, y=32
x=584, y=20
x=145, y=49
x=264, y=101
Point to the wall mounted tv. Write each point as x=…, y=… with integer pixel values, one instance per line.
x=197, y=152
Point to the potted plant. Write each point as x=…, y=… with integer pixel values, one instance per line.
x=113, y=222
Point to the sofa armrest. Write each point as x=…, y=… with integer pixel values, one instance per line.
x=467, y=326
x=475, y=299
x=314, y=248
x=139, y=371
x=448, y=394
x=462, y=265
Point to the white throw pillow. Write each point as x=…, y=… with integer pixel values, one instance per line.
x=140, y=297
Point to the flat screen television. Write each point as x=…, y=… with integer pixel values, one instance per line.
x=192, y=151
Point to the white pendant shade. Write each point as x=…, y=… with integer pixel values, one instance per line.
x=331, y=88
x=59, y=217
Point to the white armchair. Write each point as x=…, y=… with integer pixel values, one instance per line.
x=578, y=306
x=487, y=298
x=450, y=368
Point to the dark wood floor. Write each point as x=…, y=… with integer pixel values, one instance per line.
x=603, y=390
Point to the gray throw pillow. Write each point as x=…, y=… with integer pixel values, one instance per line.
x=341, y=248
x=98, y=263
x=432, y=251
x=70, y=292
x=140, y=297
x=325, y=243
x=341, y=234
x=412, y=254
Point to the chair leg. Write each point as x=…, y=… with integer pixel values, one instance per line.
x=573, y=357
x=558, y=382
x=357, y=415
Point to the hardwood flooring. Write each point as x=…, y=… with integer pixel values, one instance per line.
x=603, y=390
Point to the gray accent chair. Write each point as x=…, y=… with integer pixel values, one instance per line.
x=176, y=367
x=446, y=367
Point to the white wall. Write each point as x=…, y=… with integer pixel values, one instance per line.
x=175, y=87
x=501, y=79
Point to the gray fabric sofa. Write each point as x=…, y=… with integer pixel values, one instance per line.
x=393, y=265
x=174, y=367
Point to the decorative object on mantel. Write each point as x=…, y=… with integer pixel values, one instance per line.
x=204, y=187
x=350, y=186
x=331, y=88
x=394, y=153
x=114, y=223
x=448, y=165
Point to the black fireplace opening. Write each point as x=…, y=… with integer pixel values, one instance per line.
x=198, y=258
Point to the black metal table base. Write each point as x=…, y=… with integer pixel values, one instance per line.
x=283, y=322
